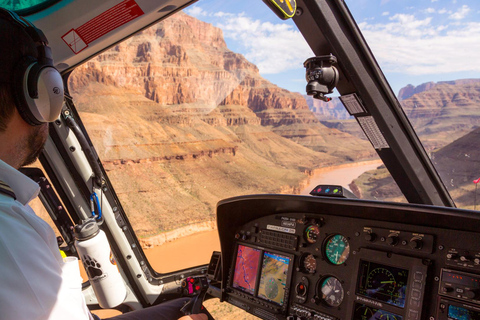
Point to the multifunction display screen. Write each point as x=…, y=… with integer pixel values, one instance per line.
x=273, y=278
x=262, y=273
x=246, y=269
x=383, y=283
x=459, y=313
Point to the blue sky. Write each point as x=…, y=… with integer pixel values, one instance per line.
x=414, y=41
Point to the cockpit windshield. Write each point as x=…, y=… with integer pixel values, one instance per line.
x=211, y=103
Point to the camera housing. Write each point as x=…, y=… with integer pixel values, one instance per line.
x=321, y=75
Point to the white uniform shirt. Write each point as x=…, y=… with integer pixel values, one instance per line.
x=31, y=283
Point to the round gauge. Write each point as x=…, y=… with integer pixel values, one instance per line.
x=382, y=281
x=337, y=249
x=308, y=263
x=311, y=233
x=363, y=312
x=332, y=291
x=380, y=314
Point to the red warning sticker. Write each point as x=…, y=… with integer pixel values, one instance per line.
x=79, y=38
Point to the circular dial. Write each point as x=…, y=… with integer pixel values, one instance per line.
x=382, y=281
x=332, y=291
x=363, y=312
x=311, y=233
x=380, y=314
x=337, y=249
x=308, y=263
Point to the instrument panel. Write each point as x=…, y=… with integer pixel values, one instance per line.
x=296, y=257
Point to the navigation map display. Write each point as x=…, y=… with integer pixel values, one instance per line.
x=384, y=283
x=246, y=269
x=273, y=279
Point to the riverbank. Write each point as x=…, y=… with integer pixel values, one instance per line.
x=341, y=175
x=193, y=245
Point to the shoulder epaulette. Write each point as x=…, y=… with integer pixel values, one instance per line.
x=5, y=189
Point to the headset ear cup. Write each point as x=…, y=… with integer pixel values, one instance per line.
x=50, y=94
x=38, y=91
x=20, y=90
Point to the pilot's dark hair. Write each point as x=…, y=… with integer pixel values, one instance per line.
x=15, y=44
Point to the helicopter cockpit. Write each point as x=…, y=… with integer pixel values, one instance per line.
x=167, y=133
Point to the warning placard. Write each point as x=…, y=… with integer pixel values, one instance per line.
x=73, y=40
x=79, y=38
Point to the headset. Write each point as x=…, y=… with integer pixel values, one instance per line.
x=37, y=85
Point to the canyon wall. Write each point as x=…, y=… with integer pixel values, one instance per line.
x=180, y=122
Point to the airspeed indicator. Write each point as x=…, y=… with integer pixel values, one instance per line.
x=337, y=249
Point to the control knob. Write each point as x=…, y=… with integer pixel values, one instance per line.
x=447, y=289
x=471, y=294
x=392, y=240
x=452, y=255
x=415, y=244
x=370, y=237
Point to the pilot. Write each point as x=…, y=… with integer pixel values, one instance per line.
x=31, y=94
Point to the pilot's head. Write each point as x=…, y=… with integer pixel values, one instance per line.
x=31, y=90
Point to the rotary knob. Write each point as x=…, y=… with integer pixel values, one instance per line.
x=370, y=237
x=415, y=244
x=392, y=240
x=452, y=256
x=470, y=294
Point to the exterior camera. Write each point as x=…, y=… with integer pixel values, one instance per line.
x=321, y=75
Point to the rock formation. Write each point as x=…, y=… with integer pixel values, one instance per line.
x=445, y=111
x=332, y=110
x=180, y=122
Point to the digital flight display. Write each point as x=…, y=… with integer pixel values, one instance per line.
x=459, y=313
x=364, y=312
x=273, y=278
x=246, y=269
x=384, y=283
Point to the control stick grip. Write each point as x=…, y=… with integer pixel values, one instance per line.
x=195, y=287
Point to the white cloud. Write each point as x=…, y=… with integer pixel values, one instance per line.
x=386, y=13
x=196, y=12
x=418, y=47
x=434, y=0
x=430, y=10
x=442, y=11
x=461, y=13
x=274, y=48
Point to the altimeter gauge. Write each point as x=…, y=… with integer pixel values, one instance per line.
x=308, y=263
